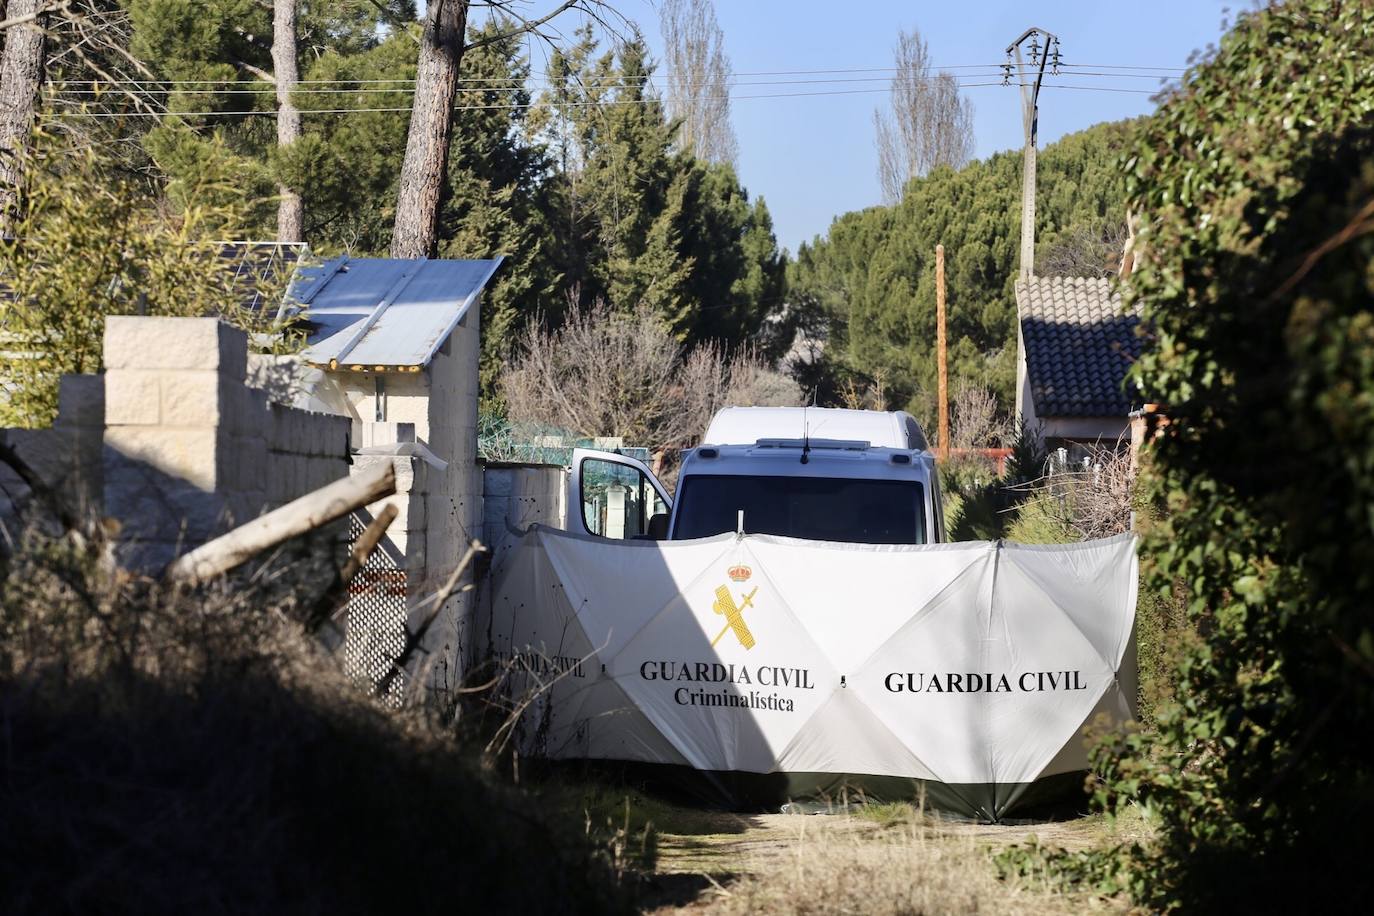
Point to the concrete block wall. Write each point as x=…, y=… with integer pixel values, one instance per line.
x=520, y=495
x=190, y=450
x=516, y=496
x=66, y=457
x=455, y=498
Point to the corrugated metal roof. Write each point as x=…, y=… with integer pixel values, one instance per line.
x=1079, y=346
x=385, y=312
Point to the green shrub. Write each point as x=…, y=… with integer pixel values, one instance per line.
x=91, y=239
x=1256, y=186
x=971, y=491
x=979, y=504
x=1042, y=518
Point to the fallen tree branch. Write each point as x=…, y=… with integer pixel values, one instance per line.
x=335, y=600
x=367, y=542
x=311, y=511
x=38, y=488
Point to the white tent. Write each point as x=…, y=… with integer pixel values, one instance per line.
x=969, y=670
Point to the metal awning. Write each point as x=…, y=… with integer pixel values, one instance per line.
x=385, y=314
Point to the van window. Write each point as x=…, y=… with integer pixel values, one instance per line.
x=817, y=508
x=617, y=500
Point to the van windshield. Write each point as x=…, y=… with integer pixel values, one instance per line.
x=817, y=508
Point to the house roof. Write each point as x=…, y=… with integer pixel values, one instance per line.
x=384, y=313
x=1079, y=345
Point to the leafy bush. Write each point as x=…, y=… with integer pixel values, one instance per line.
x=972, y=492
x=92, y=239
x=1256, y=184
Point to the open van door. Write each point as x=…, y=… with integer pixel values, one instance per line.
x=615, y=496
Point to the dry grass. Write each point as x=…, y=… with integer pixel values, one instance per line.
x=889, y=859
x=174, y=750
x=1078, y=501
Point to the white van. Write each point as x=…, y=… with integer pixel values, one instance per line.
x=858, y=476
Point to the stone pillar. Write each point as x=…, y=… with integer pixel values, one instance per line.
x=180, y=465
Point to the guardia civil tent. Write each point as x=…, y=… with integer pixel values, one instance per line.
x=776, y=669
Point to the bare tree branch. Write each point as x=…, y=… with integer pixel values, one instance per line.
x=525, y=25
x=930, y=123
x=698, y=79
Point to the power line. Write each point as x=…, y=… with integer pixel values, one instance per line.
x=546, y=78
x=575, y=104
x=516, y=87
x=1124, y=67
x=513, y=87
x=545, y=75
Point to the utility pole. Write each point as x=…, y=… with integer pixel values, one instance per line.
x=940, y=349
x=1030, y=74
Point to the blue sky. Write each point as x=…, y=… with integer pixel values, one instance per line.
x=813, y=158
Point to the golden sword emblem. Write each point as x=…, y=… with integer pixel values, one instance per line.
x=734, y=616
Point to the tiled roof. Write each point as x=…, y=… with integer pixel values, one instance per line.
x=1079, y=345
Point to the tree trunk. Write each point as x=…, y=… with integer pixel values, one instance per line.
x=431, y=125
x=21, y=69
x=290, y=210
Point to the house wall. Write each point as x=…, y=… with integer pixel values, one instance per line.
x=455, y=498
x=1025, y=401
x=435, y=408
x=1106, y=430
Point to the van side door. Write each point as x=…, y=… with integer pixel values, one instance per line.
x=616, y=496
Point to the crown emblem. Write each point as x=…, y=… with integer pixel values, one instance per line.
x=739, y=573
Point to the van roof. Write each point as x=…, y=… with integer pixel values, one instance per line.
x=880, y=429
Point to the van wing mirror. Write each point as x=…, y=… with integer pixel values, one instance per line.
x=613, y=496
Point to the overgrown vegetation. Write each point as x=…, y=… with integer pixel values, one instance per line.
x=605, y=373
x=170, y=750
x=90, y=240
x=1256, y=185
x=980, y=504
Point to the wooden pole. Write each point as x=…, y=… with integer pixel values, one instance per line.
x=940, y=349
x=334, y=602
x=367, y=542
x=295, y=518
